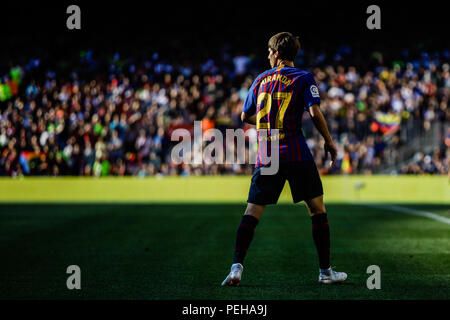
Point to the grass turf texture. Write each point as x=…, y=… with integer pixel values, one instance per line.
x=184, y=251
x=207, y=189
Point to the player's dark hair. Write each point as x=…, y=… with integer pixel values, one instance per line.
x=286, y=44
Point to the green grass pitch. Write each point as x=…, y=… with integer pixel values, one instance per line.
x=184, y=251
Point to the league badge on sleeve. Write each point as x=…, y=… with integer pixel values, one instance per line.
x=314, y=91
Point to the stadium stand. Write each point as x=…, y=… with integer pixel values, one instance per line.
x=97, y=114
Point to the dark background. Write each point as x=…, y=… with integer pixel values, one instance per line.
x=39, y=28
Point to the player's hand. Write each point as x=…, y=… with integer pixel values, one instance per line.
x=330, y=148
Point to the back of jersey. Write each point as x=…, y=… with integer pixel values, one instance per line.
x=278, y=97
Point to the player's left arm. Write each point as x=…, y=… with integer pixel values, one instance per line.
x=312, y=102
x=321, y=125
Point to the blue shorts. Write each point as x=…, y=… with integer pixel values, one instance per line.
x=304, y=181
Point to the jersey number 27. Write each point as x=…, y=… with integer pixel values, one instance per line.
x=264, y=104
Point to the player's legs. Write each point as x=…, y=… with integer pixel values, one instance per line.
x=244, y=237
x=306, y=185
x=315, y=205
x=246, y=230
x=321, y=236
x=264, y=190
x=320, y=229
x=255, y=210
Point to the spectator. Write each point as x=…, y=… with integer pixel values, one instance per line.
x=118, y=122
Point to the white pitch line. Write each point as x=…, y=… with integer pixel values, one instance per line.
x=414, y=212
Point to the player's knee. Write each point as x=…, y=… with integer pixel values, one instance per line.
x=254, y=210
x=317, y=212
x=317, y=208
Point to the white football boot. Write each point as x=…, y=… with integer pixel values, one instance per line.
x=234, y=278
x=331, y=276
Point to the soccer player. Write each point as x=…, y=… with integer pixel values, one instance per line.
x=277, y=100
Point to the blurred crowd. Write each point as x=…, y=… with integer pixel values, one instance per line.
x=115, y=116
x=430, y=163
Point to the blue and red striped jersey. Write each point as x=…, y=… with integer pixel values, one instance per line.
x=278, y=97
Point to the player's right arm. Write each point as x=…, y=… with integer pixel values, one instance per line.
x=249, y=109
x=249, y=119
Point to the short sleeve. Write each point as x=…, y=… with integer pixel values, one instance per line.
x=250, y=102
x=311, y=94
